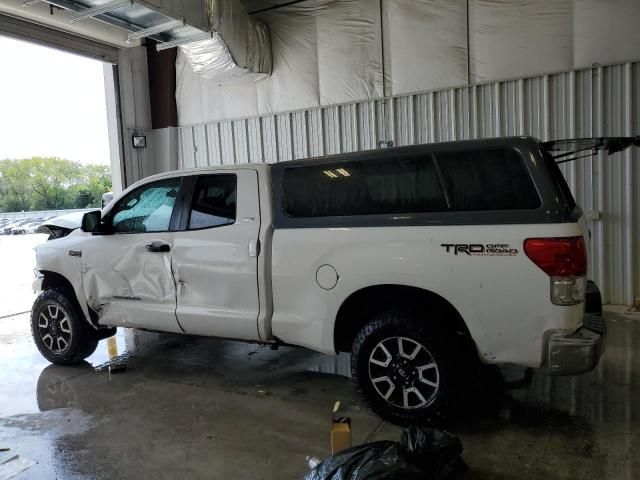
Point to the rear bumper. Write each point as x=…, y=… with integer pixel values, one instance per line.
x=576, y=353
x=580, y=351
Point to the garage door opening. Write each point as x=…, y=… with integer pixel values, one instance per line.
x=54, y=127
x=55, y=151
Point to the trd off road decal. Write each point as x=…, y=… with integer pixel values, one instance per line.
x=488, y=249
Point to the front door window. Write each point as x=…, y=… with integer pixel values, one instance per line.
x=145, y=209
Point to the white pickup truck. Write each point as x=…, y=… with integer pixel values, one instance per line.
x=420, y=261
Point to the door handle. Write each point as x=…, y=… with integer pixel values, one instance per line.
x=158, y=247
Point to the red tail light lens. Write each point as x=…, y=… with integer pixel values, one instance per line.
x=558, y=257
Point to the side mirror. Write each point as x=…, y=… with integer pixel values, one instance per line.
x=91, y=221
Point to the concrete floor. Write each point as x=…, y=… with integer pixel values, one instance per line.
x=204, y=408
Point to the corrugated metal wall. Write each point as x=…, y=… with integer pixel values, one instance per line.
x=599, y=101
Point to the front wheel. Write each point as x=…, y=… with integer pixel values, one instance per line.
x=60, y=330
x=405, y=369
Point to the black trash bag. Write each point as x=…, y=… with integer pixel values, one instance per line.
x=422, y=453
x=435, y=452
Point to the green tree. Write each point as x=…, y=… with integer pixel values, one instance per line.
x=79, y=197
x=15, y=186
x=96, y=180
x=42, y=183
x=50, y=180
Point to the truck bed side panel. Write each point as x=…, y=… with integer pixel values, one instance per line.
x=504, y=299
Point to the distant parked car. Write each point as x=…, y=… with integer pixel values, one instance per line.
x=30, y=227
x=3, y=223
x=18, y=228
x=8, y=229
x=106, y=198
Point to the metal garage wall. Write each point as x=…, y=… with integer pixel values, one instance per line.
x=593, y=102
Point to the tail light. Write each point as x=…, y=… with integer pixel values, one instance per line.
x=565, y=261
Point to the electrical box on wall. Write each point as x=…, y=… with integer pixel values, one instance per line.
x=139, y=141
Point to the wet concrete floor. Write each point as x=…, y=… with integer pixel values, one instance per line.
x=188, y=407
x=202, y=408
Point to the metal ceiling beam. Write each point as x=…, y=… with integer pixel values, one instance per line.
x=147, y=32
x=108, y=12
x=73, y=6
x=100, y=9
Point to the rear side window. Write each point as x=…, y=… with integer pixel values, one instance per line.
x=487, y=180
x=560, y=181
x=378, y=186
x=478, y=180
x=214, y=201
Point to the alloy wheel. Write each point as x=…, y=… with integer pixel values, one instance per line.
x=404, y=373
x=54, y=329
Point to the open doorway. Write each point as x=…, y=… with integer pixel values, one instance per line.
x=56, y=151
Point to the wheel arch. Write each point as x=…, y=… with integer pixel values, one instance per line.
x=359, y=306
x=59, y=282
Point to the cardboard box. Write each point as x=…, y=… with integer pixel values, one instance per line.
x=340, y=431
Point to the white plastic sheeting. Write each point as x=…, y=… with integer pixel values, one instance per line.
x=605, y=31
x=597, y=101
x=425, y=45
x=329, y=52
x=239, y=50
x=518, y=38
x=324, y=52
x=348, y=46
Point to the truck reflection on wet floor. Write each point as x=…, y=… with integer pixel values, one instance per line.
x=609, y=393
x=553, y=427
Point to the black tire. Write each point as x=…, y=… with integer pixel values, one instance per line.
x=442, y=349
x=60, y=330
x=105, y=332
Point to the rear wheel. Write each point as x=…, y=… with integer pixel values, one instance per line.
x=59, y=329
x=405, y=369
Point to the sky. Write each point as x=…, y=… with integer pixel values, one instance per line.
x=52, y=103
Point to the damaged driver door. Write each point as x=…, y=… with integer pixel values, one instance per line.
x=126, y=266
